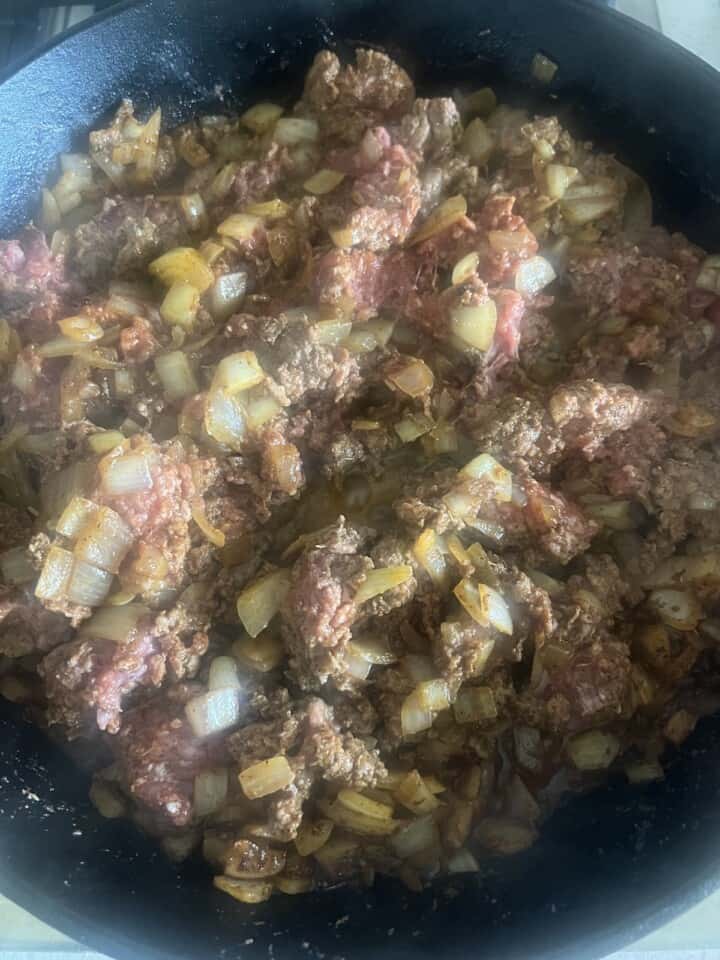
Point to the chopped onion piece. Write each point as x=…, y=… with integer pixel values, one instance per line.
x=104, y=540
x=360, y=823
x=593, y=750
x=212, y=533
x=380, y=580
x=239, y=226
x=193, y=207
x=228, y=293
x=269, y=209
x=210, y=791
x=75, y=517
x=430, y=552
x=183, y=264
x=88, y=585
x=418, y=835
x=238, y=372
x=709, y=276
x=558, y=178
x=413, y=793
x=176, y=375
x=331, y=332
x=475, y=326
x=213, y=711
x=114, y=623
x=413, y=426
x=700, y=568
x=465, y=269
x=485, y=467
x=55, y=574
x=324, y=181
x=81, y=329
x=357, y=667
x=129, y=473
x=477, y=142
x=543, y=69
x=373, y=650
x=105, y=441
x=475, y=705
x=246, y=891
x=411, y=376
x=266, y=777
x=677, y=608
x=644, y=771
x=260, y=409
x=462, y=862
x=312, y=835
x=444, y=216
x=497, y=610
x=292, y=130
x=59, y=347
x=533, y=275
x=50, y=213
x=357, y=803
x=584, y=210
x=433, y=694
x=415, y=715
x=224, y=674
x=261, y=117
x=263, y=653
x=15, y=566
x=504, y=836
x=225, y=419
x=180, y=305
x=261, y=601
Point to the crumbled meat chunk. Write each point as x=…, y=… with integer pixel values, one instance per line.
x=26, y=627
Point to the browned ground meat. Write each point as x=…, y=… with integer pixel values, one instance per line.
x=364, y=501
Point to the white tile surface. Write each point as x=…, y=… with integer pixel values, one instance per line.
x=694, y=936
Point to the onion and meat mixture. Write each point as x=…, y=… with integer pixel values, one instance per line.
x=360, y=478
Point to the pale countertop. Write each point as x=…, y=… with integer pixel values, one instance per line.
x=695, y=935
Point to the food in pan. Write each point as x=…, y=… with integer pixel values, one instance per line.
x=359, y=476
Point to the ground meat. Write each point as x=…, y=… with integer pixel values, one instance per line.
x=348, y=100
x=342, y=759
x=137, y=341
x=319, y=611
x=391, y=551
x=368, y=280
x=255, y=178
x=26, y=627
x=34, y=286
x=516, y=430
x=558, y=525
x=159, y=756
x=432, y=128
x=673, y=483
x=125, y=236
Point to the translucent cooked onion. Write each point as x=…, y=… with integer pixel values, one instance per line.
x=582, y=210
x=55, y=574
x=449, y=212
x=15, y=566
x=477, y=142
x=679, y=609
x=180, y=305
x=261, y=601
x=264, y=652
x=415, y=715
x=412, y=426
x=266, y=777
x=644, y=771
x=290, y=131
x=213, y=711
x=331, y=332
x=105, y=540
x=485, y=467
x=261, y=117
x=50, y=214
x=433, y=694
x=225, y=419
x=357, y=803
x=312, y=835
x=239, y=226
x=413, y=793
x=81, y=329
x=418, y=835
x=380, y=580
x=114, y=623
x=475, y=705
x=246, y=891
x=462, y=862
x=260, y=408
x=533, y=275
x=357, y=667
x=410, y=376
x=193, y=208
x=75, y=517
x=504, y=836
x=59, y=347
x=176, y=375
x=183, y=264
x=543, y=69
x=88, y=586
x=558, y=177
x=224, y=674
x=228, y=293
x=709, y=276
x=212, y=533
x=129, y=473
x=372, y=649
x=238, y=372
x=475, y=326
x=210, y=791
x=593, y=750
x=360, y=823
x=465, y=269
x=105, y=441
x=269, y=209
x=324, y=181
x=431, y=553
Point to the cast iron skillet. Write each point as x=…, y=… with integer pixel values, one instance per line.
x=609, y=867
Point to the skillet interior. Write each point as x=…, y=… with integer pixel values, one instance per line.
x=609, y=866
